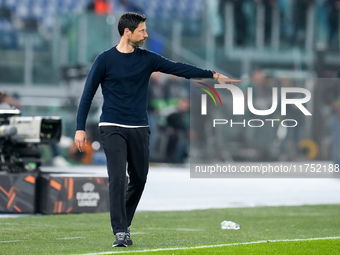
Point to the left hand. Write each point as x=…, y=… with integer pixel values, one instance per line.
x=222, y=79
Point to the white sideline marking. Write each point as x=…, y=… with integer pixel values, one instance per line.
x=11, y=241
x=67, y=238
x=188, y=229
x=216, y=245
x=138, y=233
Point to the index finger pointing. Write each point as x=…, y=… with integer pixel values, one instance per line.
x=230, y=80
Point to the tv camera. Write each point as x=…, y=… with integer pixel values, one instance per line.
x=21, y=137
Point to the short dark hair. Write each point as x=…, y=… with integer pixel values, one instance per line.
x=131, y=21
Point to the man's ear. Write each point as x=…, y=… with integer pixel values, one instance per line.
x=127, y=31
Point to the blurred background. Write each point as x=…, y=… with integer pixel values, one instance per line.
x=47, y=48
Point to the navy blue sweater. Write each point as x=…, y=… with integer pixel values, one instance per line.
x=124, y=78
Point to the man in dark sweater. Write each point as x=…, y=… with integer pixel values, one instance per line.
x=123, y=72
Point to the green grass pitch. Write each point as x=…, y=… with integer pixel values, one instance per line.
x=264, y=230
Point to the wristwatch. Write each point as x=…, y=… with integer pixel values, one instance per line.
x=214, y=72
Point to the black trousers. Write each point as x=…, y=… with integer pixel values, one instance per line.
x=121, y=146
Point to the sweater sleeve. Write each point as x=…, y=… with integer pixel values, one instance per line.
x=165, y=65
x=94, y=78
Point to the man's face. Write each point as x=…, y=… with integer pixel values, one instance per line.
x=138, y=37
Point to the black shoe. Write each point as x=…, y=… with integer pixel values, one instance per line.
x=120, y=240
x=128, y=238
